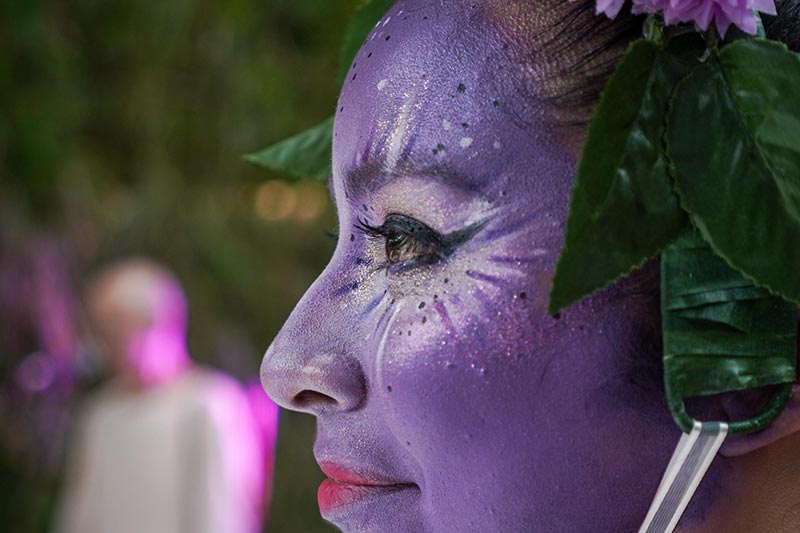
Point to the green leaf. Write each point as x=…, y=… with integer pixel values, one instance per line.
x=364, y=19
x=721, y=332
x=734, y=137
x=305, y=155
x=623, y=209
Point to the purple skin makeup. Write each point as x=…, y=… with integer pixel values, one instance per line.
x=446, y=398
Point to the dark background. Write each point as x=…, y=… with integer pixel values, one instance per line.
x=122, y=126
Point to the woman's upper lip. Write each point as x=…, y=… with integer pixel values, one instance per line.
x=348, y=475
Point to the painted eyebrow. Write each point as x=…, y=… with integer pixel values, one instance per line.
x=371, y=177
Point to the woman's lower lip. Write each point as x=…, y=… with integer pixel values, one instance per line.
x=335, y=494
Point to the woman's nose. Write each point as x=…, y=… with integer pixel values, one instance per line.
x=315, y=383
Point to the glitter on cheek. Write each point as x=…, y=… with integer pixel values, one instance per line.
x=453, y=334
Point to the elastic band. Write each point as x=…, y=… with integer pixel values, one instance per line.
x=690, y=461
x=741, y=427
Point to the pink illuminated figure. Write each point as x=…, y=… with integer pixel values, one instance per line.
x=166, y=446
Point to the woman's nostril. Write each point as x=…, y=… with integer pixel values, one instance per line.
x=312, y=400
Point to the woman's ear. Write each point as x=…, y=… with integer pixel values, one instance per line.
x=788, y=422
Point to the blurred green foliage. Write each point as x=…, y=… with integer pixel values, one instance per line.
x=122, y=126
x=308, y=154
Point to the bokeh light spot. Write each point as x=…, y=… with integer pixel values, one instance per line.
x=275, y=201
x=36, y=372
x=313, y=198
x=304, y=202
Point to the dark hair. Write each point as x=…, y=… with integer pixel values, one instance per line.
x=605, y=41
x=785, y=26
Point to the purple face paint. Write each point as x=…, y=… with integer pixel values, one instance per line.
x=446, y=398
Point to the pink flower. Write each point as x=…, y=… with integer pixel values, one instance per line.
x=740, y=13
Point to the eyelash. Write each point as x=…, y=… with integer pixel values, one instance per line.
x=403, y=248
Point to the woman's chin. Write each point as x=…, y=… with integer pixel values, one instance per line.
x=370, y=508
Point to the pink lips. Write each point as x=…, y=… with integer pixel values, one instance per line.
x=345, y=487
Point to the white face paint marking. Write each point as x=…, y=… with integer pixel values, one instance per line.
x=446, y=124
x=385, y=22
x=398, y=137
x=465, y=142
x=497, y=145
x=382, y=84
x=388, y=328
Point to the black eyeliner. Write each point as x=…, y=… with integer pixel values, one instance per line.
x=396, y=223
x=402, y=224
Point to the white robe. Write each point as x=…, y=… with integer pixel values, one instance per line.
x=181, y=458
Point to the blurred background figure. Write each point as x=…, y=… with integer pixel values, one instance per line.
x=122, y=130
x=164, y=446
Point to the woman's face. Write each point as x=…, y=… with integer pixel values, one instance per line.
x=446, y=398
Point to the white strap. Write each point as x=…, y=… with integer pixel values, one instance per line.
x=686, y=469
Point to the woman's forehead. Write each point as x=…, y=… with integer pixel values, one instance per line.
x=432, y=91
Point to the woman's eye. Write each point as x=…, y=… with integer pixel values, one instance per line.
x=409, y=242
x=406, y=240
x=401, y=247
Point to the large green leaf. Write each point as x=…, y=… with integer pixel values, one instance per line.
x=734, y=137
x=721, y=332
x=364, y=19
x=306, y=155
x=624, y=209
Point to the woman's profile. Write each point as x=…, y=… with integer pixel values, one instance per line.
x=446, y=398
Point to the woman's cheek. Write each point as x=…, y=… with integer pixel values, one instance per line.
x=442, y=360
